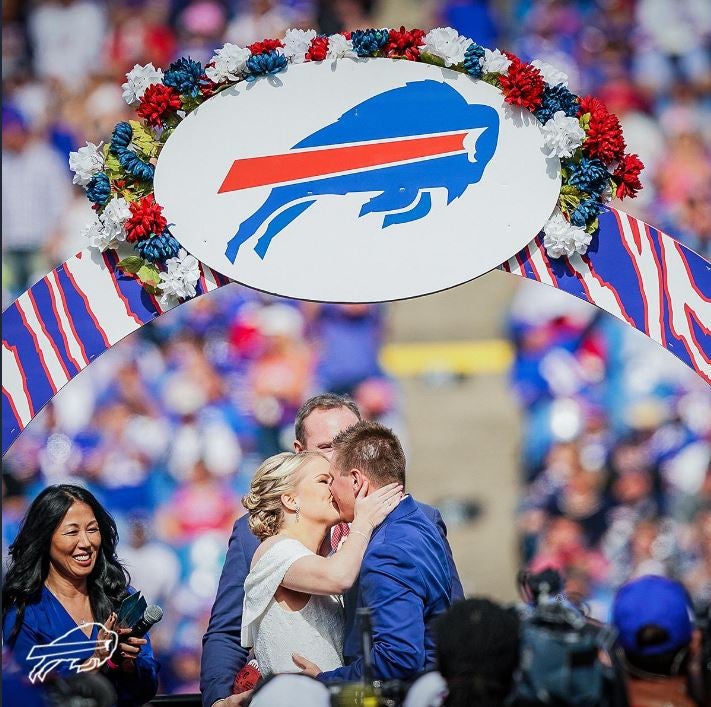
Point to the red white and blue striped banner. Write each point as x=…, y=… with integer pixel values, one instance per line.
x=66, y=320
x=86, y=305
x=642, y=276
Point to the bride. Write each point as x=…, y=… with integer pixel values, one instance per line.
x=291, y=602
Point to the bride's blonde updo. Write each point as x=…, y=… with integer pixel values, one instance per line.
x=274, y=477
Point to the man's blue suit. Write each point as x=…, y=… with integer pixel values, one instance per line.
x=222, y=654
x=406, y=581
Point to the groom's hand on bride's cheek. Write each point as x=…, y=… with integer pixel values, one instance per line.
x=307, y=667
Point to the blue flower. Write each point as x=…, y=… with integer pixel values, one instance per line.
x=556, y=98
x=121, y=136
x=472, y=65
x=184, y=76
x=589, y=175
x=135, y=166
x=129, y=160
x=586, y=212
x=158, y=248
x=268, y=63
x=99, y=190
x=367, y=42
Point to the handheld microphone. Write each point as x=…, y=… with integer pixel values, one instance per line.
x=152, y=615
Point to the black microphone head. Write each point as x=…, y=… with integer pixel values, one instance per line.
x=153, y=614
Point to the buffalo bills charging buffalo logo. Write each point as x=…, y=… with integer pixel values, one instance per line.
x=402, y=143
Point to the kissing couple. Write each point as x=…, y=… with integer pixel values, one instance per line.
x=301, y=599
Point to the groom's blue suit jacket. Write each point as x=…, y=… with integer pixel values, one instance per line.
x=406, y=581
x=222, y=654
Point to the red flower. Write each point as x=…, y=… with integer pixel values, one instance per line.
x=207, y=88
x=347, y=35
x=522, y=85
x=626, y=176
x=157, y=102
x=604, y=138
x=402, y=43
x=265, y=46
x=592, y=105
x=318, y=49
x=146, y=219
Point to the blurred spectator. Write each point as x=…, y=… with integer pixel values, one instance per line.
x=67, y=37
x=201, y=26
x=257, y=20
x=653, y=616
x=670, y=43
x=280, y=375
x=138, y=33
x=356, y=328
x=142, y=555
x=35, y=194
x=202, y=504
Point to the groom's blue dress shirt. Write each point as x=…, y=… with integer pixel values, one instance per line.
x=406, y=581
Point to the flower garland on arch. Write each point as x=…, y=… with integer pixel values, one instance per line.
x=118, y=176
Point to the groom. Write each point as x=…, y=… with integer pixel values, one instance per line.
x=405, y=578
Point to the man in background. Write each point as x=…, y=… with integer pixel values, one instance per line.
x=653, y=616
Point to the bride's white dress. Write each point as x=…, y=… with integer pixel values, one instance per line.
x=315, y=632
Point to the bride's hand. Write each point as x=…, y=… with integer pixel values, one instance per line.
x=372, y=509
x=307, y=667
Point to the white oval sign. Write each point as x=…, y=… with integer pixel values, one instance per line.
x=365, y=181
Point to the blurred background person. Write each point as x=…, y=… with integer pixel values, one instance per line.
x=654, y=617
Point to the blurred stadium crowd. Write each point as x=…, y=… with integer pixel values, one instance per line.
x=167, y=428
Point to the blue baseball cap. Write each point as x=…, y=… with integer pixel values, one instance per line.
x=652, y=601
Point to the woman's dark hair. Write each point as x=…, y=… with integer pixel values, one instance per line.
x=477, y=652
x=29, y=555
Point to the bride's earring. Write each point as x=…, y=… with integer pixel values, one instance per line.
x=298, y=513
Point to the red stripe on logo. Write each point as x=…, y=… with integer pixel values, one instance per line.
x=308, y=164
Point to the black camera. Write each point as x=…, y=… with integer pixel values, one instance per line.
x=566, y=657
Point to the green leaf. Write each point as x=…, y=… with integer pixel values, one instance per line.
x=143, y=140
x=584, y=121
x=149, y=275
x=113, y=169
x=132, y=264
x=492, y=79
x=428, y=58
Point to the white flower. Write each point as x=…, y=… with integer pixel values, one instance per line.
x=339, y=47
x=229, y=63
x=562, y=238
x=495, y=62
x=139, y=79
x=447, y=44
x=181, y=279
x=296, y=44
x=86, y=162
x=114, y=218
x=97, y=236
x=551, y=75
x=562, y=135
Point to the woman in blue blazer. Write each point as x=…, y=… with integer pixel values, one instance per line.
x=64, y=578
